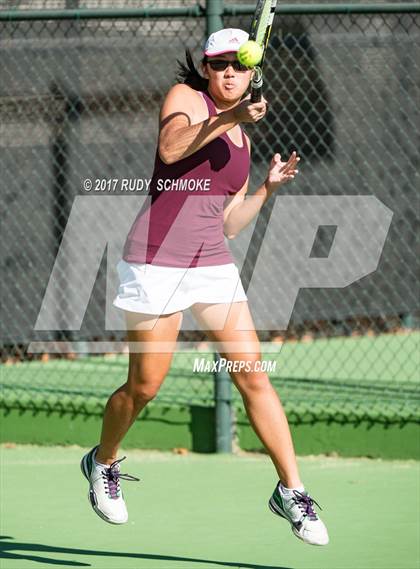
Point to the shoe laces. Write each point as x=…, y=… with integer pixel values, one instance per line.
x=305, y=503
x=112, y=476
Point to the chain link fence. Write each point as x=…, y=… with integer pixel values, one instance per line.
x=79, y=99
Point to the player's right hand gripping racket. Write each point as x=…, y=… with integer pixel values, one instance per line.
x=260, y=32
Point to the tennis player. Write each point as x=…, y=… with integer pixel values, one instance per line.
x=181, y=261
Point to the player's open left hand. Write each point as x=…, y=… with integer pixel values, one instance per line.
x=281, y=172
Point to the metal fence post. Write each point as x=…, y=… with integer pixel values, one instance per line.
x=223, y=408
x=214, y=11
x=222, y=384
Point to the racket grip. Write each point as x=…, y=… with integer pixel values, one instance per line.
x=256, y=94
x=256, y=86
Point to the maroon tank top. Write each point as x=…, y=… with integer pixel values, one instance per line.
x=182, y=223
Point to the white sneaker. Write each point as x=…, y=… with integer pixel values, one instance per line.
x=297, y=509
x=105, y=494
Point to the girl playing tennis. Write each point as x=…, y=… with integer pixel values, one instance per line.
x=175, y=258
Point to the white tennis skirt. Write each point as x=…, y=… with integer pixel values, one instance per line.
x=153, y=289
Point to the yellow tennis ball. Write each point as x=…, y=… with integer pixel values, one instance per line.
x=250, y=53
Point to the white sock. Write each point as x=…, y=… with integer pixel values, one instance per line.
x=289, y=491
x=100, y=464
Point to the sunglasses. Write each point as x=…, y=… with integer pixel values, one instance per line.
x=222, y=64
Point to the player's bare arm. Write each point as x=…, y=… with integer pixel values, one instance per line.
x=242, y=209
x=181, y=133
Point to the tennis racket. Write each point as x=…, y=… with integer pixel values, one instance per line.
x=260, y=32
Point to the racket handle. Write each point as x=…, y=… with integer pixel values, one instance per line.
x=256, y=94
x=256, y=85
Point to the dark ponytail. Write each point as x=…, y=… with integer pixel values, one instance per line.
x=188, y=73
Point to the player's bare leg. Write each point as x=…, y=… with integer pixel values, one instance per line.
x=147, y=370
x=261, y=401
x=233, y=330
x=146, y=373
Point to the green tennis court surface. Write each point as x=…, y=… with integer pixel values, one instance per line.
x=203, y=512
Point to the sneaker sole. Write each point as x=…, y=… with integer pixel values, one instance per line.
x=91, y=494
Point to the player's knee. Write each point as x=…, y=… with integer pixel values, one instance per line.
x=251, y=382
x=143, y=387
x=144, y=393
